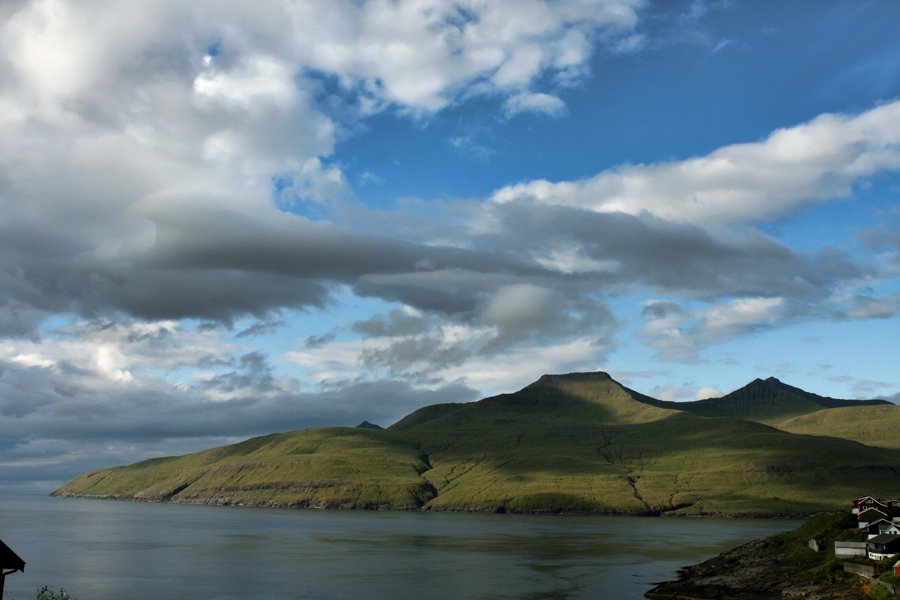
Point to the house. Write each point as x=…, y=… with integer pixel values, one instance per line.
x=870, y=515
x=867, y=502
x=879, y=527
x=897, y=568
x=883, y=546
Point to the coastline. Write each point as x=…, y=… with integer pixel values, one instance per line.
x=326, y=505
x=756, y=570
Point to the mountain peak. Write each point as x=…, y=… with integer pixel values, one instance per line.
x=585, y=376
x=596, y=388
x=768, y=400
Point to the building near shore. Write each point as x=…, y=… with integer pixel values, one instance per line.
x=883, y=546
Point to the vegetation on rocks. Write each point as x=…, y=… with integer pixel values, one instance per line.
x=782, y=566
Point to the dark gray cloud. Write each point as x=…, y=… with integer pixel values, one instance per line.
x=252, y=371
x=867, y=307
x=50, y=437
x=677, y=258
x=317, y=341
x=209, y=262
x=260, y=328
x=395, y=323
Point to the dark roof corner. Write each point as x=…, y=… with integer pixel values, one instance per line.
x=9, y=559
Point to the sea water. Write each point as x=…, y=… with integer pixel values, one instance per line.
x=109, y=550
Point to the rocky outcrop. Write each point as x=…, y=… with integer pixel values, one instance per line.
x=754, y=571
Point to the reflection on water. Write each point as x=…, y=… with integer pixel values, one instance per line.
x=102, y=550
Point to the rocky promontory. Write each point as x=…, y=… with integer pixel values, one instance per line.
x=758, y=570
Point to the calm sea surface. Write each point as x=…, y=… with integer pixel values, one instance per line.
x=104, y=550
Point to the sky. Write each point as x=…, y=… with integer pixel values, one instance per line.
x=226, y=219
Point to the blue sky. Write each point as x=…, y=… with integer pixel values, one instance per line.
x=221, y=221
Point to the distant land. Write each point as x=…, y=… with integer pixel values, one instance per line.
x=576, y=443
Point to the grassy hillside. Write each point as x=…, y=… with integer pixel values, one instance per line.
x=579, y=442
x=871, y=425
x=586, y=442
x=333, y=467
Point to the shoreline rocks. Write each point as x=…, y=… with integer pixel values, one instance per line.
x=754, y=571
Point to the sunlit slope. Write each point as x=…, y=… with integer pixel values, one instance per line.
x=333, y=467
x=870, y=425
x=584, y=442
x=579, y=442
x=597, y=393
x=765, y=401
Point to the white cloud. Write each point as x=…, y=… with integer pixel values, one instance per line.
x=256, y=82
x=315, y=182
x=734, y=317
x=111, y=110
x=517, y=368
x=532, y=102
x=679, y=334
x=572, y=259
x=744, y=183
x=630, y=44
x=867, y=307
x=671, y=393
x=722, y=44
x=93, y=359
x=708, y=392
x=332, y=361
x=421, y=55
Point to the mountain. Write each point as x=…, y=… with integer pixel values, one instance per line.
x=330, y=467
x=765, y=401
x=580, y=442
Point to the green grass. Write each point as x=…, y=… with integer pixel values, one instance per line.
x=338, y=466
x=871, y=425
x=577, y=443
x=879, y=592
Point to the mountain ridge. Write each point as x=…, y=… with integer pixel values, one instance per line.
x=764, y=400
x=579, y=442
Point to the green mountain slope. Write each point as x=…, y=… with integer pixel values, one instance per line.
x=332, y=467
x=877, y=425
x=579, y=442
